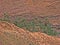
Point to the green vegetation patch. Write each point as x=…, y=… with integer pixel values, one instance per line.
x=35, y=25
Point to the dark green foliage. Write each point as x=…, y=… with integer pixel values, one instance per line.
x=46, y=28
x=5, y=17
x=34, y=25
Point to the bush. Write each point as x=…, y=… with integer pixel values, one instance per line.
x=5, y=17
x=46, y=28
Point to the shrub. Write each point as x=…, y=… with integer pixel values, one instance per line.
x=5, y=17
x=46, y=28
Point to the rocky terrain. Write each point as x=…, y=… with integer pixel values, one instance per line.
x=13, y=35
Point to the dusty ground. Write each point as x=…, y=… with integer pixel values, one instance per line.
x=13, y=35
x=40, y=8
x=30, y=9
x=37, y=7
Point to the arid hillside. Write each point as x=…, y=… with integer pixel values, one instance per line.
x=26, y=8
x=37, y=7
x=13, y=35
x=29, y=15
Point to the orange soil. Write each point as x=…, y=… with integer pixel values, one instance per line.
x=13, y=35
